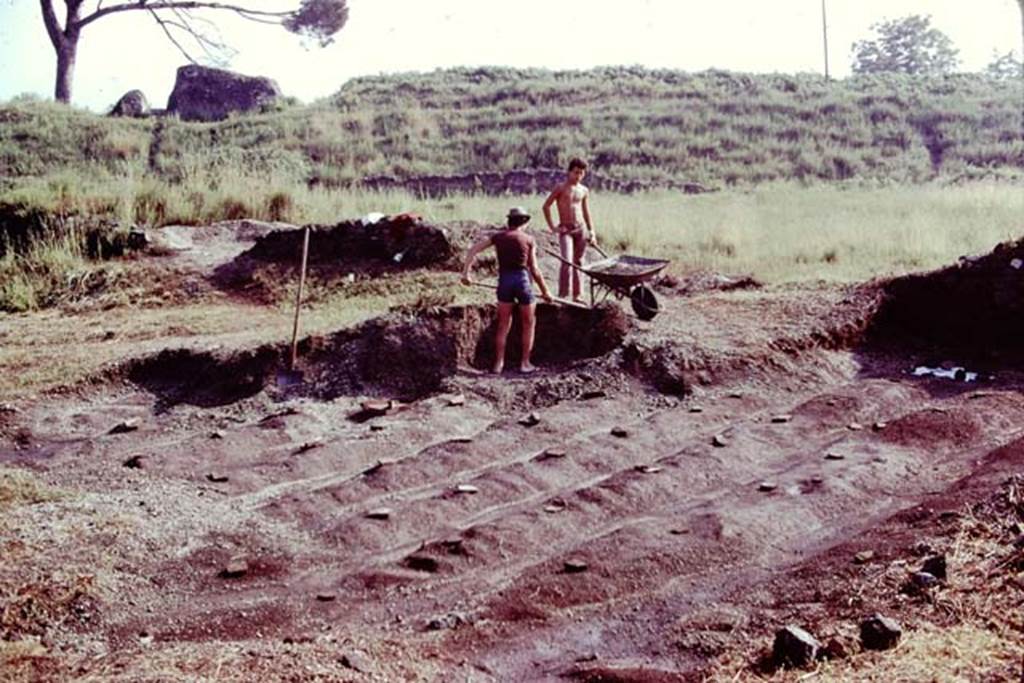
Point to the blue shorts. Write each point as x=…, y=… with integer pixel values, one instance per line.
x=514, y=287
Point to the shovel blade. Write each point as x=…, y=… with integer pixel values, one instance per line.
x=289, y=378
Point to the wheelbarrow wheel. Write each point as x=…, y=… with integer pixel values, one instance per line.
x=645, y=304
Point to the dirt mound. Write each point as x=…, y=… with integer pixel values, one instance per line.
x=403, y=239
x=975, y=307
x=399, y=355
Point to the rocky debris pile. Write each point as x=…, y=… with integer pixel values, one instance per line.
x=517, y=182
x=401, y=240
x=205, y=94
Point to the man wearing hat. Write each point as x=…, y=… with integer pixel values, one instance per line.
x=517, y=261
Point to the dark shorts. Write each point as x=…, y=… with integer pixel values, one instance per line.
x=514, y=287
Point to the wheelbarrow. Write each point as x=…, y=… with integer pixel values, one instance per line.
x=622, y=276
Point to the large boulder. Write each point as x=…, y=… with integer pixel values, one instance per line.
x=133, y=103
x=205, y=94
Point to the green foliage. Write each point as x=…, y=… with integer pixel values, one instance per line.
x=908, y=46
x=1005, y=67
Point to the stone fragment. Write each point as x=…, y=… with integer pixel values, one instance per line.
x=879, y=633
x=422, y=563
x=794, y=647
x=216, y=477
x=593, y=393
x=458, y=400
x=376, y=408
x=574, y=566
x=921, y=582
x=125, y=426
x=832, y=455
x=379, y=513
x=835, y=649
x=466, y=488
x=696, y=409
x=719, y=441
x=377, y=427
x=217, y=434
x=530, y=420
x=552, y=508
x=766, y=486
x=308, y=446
x=326, y=597
x=552, y=453
x=864, y=556
x=779, y=419
x=647, y=469
x=236, y=567
x=936, y=566
x=855, y=426
x=134, y=462
x=447, y=621
x=357, y=661
x=620, y=432
x=735, y=394
x=879, y=426
x=462, y=439
x=374, y=468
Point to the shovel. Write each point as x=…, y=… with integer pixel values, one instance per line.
x=292, y=376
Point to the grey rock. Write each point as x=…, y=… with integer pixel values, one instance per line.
x=133, y=103
x=794, y=647
x=878, y=632
x=206, y=94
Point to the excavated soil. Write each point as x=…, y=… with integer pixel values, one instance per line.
x=656, y=494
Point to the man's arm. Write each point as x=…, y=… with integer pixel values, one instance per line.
x=586, y=218
x=547, y=208
x=480, y=245
x=531, y=263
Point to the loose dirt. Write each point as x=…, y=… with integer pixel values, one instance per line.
x=403, y=515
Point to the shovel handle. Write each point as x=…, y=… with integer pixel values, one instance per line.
x=298, y=301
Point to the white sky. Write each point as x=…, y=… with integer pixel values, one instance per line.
x=128, y=51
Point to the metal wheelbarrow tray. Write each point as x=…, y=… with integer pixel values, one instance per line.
x=624, y=276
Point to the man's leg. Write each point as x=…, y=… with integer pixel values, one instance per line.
x=565, y=242
x=528, y=318
x=501, y=334
x=579, y=246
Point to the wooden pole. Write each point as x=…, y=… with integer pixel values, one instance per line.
x=824, y=31
x=298, y=301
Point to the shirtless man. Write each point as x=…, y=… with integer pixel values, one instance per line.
x=517, y=263
x=575, y=229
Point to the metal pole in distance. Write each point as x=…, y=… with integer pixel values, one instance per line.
x=298, y=301
x=824, y=32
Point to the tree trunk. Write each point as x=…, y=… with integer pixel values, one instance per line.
x=66, y=55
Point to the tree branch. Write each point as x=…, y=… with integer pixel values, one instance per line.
x=52, y=25
x=253, y=15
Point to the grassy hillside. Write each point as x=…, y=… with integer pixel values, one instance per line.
x=715, y=128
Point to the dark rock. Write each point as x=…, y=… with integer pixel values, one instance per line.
x=574, y=566
x=920, y=582
x=780, y=419
x=530, y=420
x=206, y=94
x=216, y=478
x=124, y=427
x=936, y=566
x=594, y=393
x=134, y=462
x=766, y=486
x=357, y=661
x=864, y=556
x=379, y=513
x=447, y=621
x=794, y=647
x=133, y=103
x=879, y=633
x=422, y=563
x=326, y=597
x=620, y=432
x=720, y=441
x=236, y=568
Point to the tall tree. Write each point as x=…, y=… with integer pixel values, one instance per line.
x=182, y=19
x=909, y=45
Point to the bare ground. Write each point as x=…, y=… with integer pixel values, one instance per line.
x=650, y=506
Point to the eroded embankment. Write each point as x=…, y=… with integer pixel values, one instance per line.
x=402, y=356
